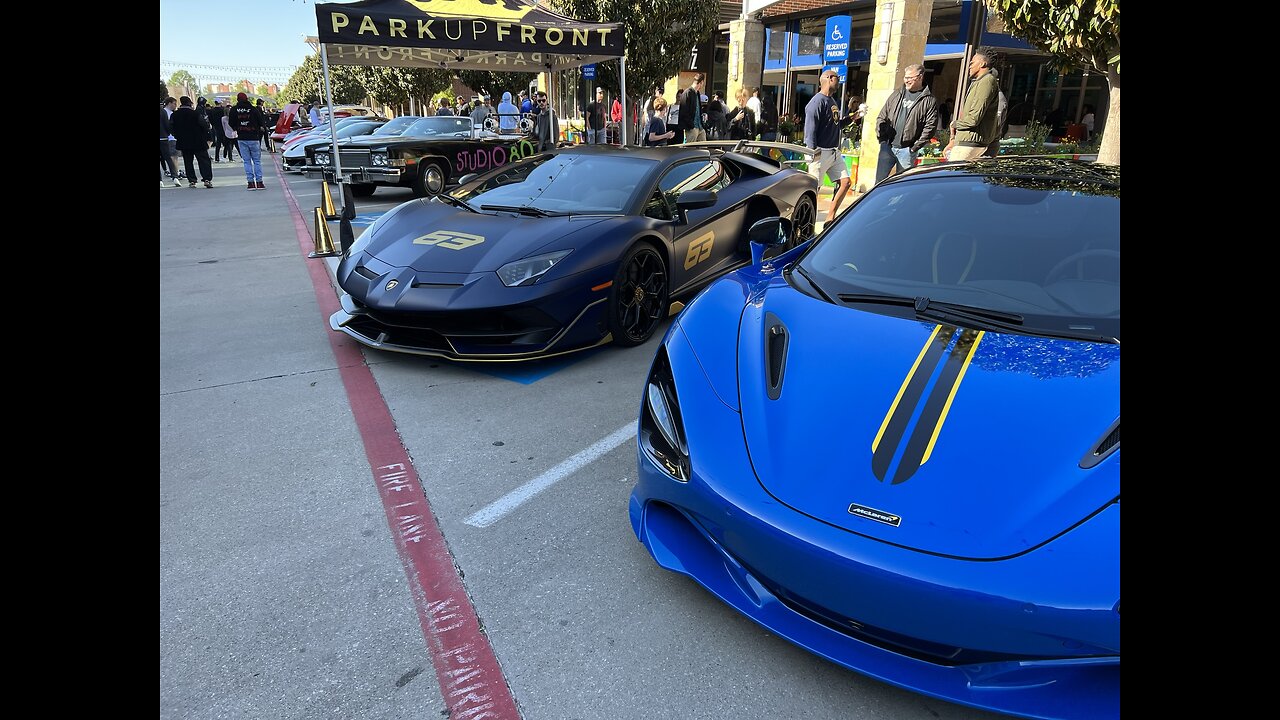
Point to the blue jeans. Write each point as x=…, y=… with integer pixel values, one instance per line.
x=890, y=156
x=597, y=137
x=251, y=154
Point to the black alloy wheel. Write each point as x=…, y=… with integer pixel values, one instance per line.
x=802, y=221
x=638, y=299
x=430, y=180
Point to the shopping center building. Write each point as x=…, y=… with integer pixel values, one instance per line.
x=778, y=46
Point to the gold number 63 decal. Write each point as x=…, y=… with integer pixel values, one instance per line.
x=699, y=250
x=451, y=239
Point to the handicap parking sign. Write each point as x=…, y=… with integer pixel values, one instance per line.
x=835, y=46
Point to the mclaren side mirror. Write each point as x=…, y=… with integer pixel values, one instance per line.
x=766, y=233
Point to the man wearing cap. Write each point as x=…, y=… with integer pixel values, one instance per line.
x=249, y=125
x=822, y=133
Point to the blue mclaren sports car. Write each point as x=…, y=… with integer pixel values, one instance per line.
x=561, y=251
x=898, y=445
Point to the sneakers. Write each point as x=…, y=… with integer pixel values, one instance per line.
x=208, y=183
x=192, y=185
x=261, y=186
x=252, y=185
x=177, y=182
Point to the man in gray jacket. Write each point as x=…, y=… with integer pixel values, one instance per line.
x=912, y=112
x=979, y=121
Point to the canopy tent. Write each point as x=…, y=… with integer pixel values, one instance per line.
x=494, y=35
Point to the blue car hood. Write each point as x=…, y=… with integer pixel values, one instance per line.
x=433, y=237
x=926, y=436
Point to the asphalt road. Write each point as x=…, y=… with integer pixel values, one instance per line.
x=292, y=587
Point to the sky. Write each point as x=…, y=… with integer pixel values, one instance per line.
x=235, y=33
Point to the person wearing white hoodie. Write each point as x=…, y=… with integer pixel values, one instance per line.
x=508, y=113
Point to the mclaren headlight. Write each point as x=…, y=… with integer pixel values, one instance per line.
x=323, y=158
x=661, y=426
x=379, y=159
x=528, y=270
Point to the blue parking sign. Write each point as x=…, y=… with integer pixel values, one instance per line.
x=589, y=72
x=842, y=70
x=835, y=46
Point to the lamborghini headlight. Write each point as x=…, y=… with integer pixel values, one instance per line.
x=661, y=426
x=528, y=270
x=323, y=159
x=366, y=237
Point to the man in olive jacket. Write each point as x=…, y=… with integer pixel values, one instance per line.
x=912, y=112
x=979, y=120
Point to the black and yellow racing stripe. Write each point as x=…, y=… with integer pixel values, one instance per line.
x=919, y=444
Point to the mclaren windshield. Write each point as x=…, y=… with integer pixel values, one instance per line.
x=1032, y=252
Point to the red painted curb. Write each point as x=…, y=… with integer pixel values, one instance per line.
x=467, y=669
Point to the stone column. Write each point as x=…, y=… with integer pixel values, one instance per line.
x=746, y=56
x=907, y=22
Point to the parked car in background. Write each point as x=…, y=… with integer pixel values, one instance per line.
x=898, y=447
x=430, y=156
x=294, y=155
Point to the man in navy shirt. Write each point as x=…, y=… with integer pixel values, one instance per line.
x=822, y=132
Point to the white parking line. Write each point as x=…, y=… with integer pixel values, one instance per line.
x=494, y=512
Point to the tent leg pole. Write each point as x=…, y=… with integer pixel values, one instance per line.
x=623, y=60
x=333, y=132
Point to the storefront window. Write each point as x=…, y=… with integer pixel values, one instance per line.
x=776, y=46
x=812, y=31
x=944, y=24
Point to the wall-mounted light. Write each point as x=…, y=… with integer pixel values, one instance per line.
x=886, y=27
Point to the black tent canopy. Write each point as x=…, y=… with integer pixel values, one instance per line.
x=494, y=35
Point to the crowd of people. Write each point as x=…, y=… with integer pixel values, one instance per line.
x=190, y=129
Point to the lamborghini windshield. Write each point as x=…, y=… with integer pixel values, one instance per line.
x=562, y=183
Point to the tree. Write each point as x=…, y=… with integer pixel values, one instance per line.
x=395, y=85
x=184, y=80
x=262, y=90
x=1085, y=32
x=164, y=91
x=660, y=36
x=305, y=83
x=495, y=83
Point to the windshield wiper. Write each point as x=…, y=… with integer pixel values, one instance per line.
x=522, y=210
x=456, y=202
x=955, y=313
x=924, y=305
x=813, y=284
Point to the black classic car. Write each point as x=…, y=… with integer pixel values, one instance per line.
x=429, y=156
